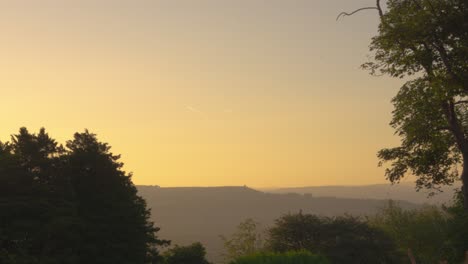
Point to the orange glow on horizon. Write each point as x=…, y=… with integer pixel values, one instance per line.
x=219, y=93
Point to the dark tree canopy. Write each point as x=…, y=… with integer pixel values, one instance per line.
x=426, y=42
x=70, y=204
x=343, y=239
x=192, y=254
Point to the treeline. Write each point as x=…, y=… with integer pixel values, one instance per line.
x=394, y=235
x=73, y=204
x=70, y=204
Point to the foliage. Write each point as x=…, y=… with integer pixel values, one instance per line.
x=193, y=254
x=457, y=230
x=246, y=240
x=344, y=239
x=432, y=233
x=299, y=257
x=424, y=231
x=70, y=204
x=427, y=40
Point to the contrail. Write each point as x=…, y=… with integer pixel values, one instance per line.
x=195, y=110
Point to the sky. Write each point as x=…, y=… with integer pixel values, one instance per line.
x=264, y=93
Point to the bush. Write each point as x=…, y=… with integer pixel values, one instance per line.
x=424, y=230
x=343, y=239
x=298, y=257
x=432, y=233
x=192, y=254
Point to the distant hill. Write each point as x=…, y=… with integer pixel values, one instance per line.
x=403, y=191
x=187, y=215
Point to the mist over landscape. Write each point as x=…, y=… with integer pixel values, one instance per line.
x=401, y=191
x=190, y=214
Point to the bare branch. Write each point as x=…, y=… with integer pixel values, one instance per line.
x=354, y=12
x=379, y=8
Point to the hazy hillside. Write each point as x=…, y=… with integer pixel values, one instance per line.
x=202, y=214
x=403, y=191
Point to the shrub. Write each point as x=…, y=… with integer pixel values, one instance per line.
x=343, y=239
x=192, y=254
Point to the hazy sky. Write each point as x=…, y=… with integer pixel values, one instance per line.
x=202, y=92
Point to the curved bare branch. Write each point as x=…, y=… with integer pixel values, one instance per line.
x=354, y=12
x=378, y=7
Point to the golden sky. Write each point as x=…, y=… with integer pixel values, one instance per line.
x=202, y=93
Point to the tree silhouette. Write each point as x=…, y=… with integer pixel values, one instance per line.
x=343, y=239
x=70, y=204
x=428, y=41
x=192, y=254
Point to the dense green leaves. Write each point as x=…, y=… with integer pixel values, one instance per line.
x=343, y=239
x=426, y=37
x=433, y=234
x=424, y=231
x=70, y=204
x=192, y=254
x=457, y=231
x=427, y=40
x=428, y=149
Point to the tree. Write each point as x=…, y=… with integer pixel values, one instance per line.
x=118, y=229
x=70, y=205
x=457, y=231
x=192, y=254
x=425, y=231
x=433, y=234
x=246, y=240
x=343, y=239
x=38, y=220
x=428, y=41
